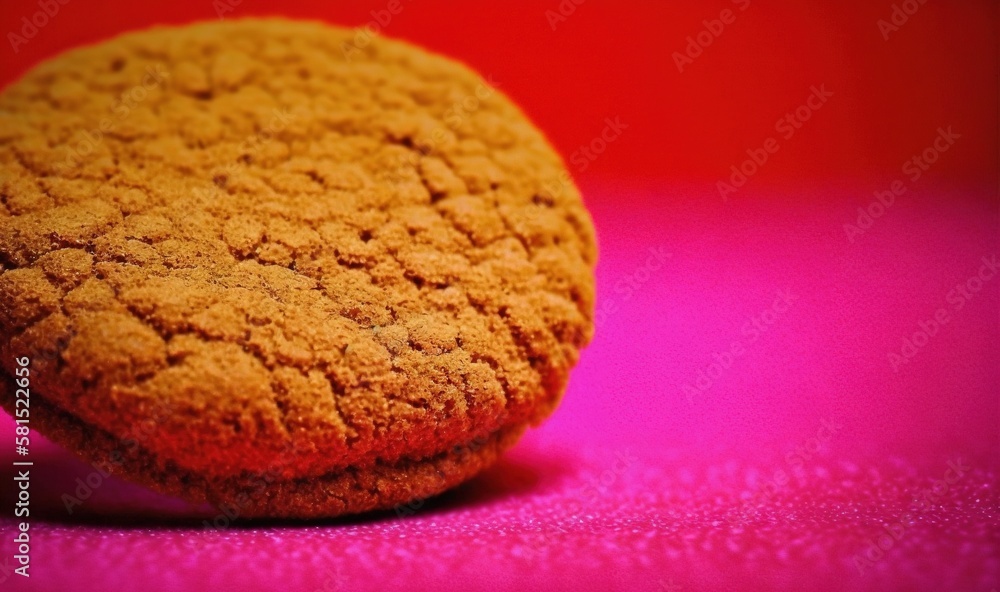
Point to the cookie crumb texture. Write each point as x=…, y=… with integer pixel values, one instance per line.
x=265, y=267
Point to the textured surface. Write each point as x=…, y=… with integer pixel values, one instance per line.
x=631, y=486
x=542, y=519
x=296, y=257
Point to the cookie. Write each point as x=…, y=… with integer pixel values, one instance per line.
x=282, y=267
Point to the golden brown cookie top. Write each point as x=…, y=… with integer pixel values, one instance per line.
x=265, y=238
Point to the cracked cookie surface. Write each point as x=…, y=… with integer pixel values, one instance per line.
x=290, y=256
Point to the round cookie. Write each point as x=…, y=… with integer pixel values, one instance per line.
x=283, y=268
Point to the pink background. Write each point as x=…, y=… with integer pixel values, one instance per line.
x=632, y=484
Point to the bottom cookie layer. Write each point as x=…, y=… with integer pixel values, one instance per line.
x=269, y=495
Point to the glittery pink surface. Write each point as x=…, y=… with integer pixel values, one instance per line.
x=740, y=422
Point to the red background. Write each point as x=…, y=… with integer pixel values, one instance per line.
x=663, y=520
x=615, y=59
